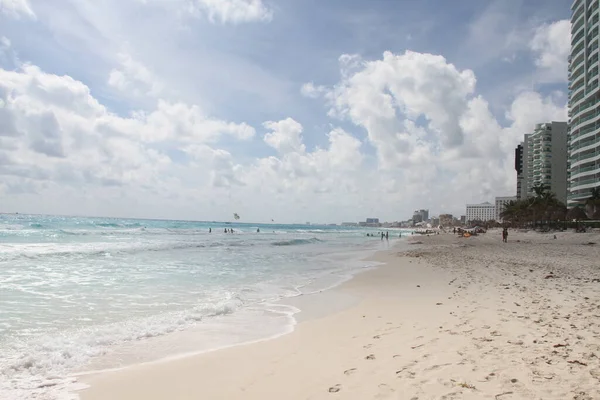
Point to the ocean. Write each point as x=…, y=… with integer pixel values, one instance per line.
x=80, y=294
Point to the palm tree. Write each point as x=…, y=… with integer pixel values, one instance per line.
x=541, y=190
x=592, y=204
x=510, y=212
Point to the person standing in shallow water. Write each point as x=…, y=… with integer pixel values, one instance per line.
x=387, y=236
x=382, y=235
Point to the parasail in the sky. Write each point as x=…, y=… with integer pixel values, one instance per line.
x=236, y=216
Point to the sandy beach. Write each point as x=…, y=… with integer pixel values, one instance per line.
x=452, y=318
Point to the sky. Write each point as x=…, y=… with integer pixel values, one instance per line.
x=287, y=110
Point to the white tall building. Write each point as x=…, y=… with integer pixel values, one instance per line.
x=501, y=203
x=481, y=212
x=546, y=159
x=584, y=102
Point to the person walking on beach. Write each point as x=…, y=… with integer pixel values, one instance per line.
x=505, y=235
x=209, y=230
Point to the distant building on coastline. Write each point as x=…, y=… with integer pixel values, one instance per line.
x=584, y=101
x=420, y=216
x=349, y=223
x=481, y=212
x=372, y=222
x=463, y=219
x=501, y=203
x=546, y=159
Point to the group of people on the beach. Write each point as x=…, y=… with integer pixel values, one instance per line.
x=230, y=230
x=384, y=235
x=226, y=230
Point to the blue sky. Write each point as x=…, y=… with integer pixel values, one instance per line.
x=245, y=62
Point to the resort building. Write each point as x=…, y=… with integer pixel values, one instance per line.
x=584, y=102
x=481, y=212
x=500, y=204
x=546, y=159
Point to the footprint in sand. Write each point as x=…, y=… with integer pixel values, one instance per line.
x=350, y=371
x=436, y=367
x=384, y=390
x=370, y=357
x=335, y=388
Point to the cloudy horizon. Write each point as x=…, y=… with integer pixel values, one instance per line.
x=289, y=110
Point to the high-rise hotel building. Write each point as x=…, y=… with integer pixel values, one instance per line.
x=545, y=151
x=584, y=102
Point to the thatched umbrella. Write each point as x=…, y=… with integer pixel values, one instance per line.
x=577, y=214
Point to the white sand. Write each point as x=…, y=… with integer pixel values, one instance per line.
x=489, y=321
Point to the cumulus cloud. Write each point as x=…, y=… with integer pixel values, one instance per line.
x=54, y=132
x=286, y=136
x=16, y=8
x=431, y=132
x=551, y=46
x=133, y=77
x=298, y=172
x=381, y=94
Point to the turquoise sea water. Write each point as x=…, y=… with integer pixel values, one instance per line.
x=76, y=290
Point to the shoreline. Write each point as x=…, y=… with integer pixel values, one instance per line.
x=461, y=318
x=308, y=309
x=296, y=309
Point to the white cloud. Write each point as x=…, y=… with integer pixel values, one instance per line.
x=55, y=134
x=286, y=136
x=312, y=91
x=220, y=11
x=16, y=8
x=233, y=11
x=4, y=43
x=551, y=45
x=133, y=77
x=383, y=93
x=297, y=175
x=431, y=133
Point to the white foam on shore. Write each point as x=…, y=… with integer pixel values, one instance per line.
x=48, y=367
